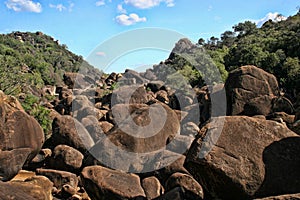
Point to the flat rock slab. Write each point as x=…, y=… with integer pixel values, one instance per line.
x=104, y=183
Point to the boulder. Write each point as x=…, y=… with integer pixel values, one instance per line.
x=193, y=189
x=21, y=137
x=59, y=178
x=245, y=158
x=67, y=130
x=142, y=128
x=261, y=105
x=37, y=188
x=246, y=83
x=129, y=94
x=104, y=183
x=155, y=86
x=66, y=158
x=133, y=74
x=152, y=187
x=76, y=80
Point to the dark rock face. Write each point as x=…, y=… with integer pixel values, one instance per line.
x=104, y=183
x=67, y=130
x=283, y=197
x=247, y=83
x=243, y=163
x=21, y=137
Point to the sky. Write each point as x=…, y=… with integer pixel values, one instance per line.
x=84, y=25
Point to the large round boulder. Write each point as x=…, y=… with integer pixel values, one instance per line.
x=253, y=86
x=246, y=158
x=21, y=137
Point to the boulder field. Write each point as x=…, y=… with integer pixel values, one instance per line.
x=145, y=140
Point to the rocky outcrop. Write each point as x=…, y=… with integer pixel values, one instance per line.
x=21, y=137
x=246, y=158
x=251, y=87
x=103, y=183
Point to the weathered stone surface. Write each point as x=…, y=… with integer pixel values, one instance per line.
x=282, y=116
x=251, y=157
x=104, y=183
x=246, y=83
x=67, y=130
x=152, y=187
x=35, y=188
x=66, y=158
x=261, y=105
x=21, y=137
x=143, y=128
x=59, y=178
x=193, y=189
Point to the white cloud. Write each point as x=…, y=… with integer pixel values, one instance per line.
x=100, y=3
x=101, y=53
x=144, y=4
x=131, y=19
x=24, y=6
x=273, y=16
x=59, y=7
x=210, y=8
x=121, y=9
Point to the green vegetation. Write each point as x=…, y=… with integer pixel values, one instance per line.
x=30, y=61
x=36, y=58
x=31, y=105
x=274, y=47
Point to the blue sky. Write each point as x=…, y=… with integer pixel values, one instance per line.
x=84, y=24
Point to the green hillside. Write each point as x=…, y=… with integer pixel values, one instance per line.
x=274, y=47
x=34, y=60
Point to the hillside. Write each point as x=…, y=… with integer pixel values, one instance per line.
x=33, y=60
x=275, y=47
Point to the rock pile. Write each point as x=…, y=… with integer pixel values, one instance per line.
x=132, y=136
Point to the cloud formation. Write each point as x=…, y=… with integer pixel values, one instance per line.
x=121, y=9
x=128, y=20
x=100, y=3
x=100, y=53
x=273, y=16
x=59, y=7
x=144, y=4
x=24, y=6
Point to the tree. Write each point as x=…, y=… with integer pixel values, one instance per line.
x=228, y=38
x=245, y=28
